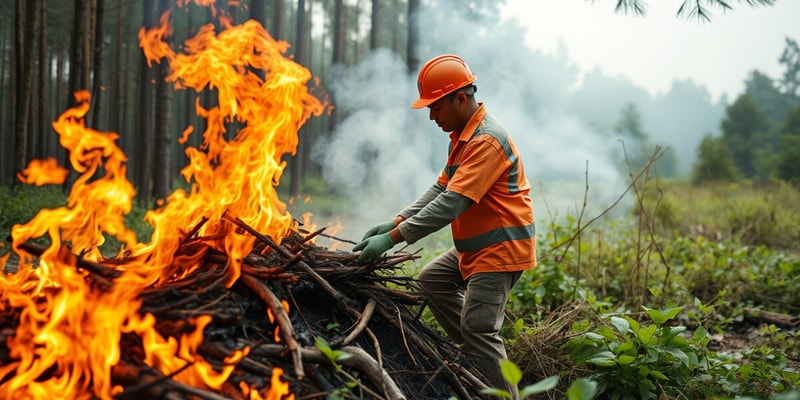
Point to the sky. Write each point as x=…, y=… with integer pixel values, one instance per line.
x=655, y=49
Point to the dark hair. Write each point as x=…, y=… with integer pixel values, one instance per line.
x=468, y=90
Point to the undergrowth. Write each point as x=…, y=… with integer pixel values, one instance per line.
x=636, y=304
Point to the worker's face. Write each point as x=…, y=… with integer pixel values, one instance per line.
x=446, y=112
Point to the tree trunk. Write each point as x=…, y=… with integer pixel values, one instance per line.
x=189, y=99
x=59, y=96
x=295, y=162
x=76, y=59
x=6, y=102
x=338, y=57
x=25, y=68
x=306, y=141
x=129, y=142
x=375, y=25
x=43, y=131
x=357, y=30
x=396, y=29
x=258, y=11
x=143, y=153
x=162, y=165
x=97, y=65
x=412, y=52
x=338, y=33
x=277, y=19
x=116, y=78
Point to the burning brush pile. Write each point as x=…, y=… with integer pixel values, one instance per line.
x=228, y=299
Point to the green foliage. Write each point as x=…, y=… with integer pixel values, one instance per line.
x=637, y=361
x=633, y=360
x=20, y=203
x=745, y=214
x=788, y=167
x=759, y=372
x=547, y=285
x=333, y=355
x=581, y=389
x=714, y=162
x=745, y=131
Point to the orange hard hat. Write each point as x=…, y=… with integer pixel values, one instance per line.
x=440, y=76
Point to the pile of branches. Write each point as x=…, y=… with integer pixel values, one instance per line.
x=368, y=315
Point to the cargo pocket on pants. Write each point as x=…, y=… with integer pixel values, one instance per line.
x=484, y=311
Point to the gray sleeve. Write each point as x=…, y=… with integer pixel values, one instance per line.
x=423, y=200
x=438, y=213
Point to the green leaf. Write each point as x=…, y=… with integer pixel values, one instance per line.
x=539, y=387
x=621, y=324
x=670, y=333
x=629, y=347
x=646, y=334
x=626, y=359
x=510, y=371
x=324, y=347
x=679, y=354
x=607, y=333
x=603, y=359
x=519, y=325
x=596, y=337
x=658, y=375
x=582, y=389
x=659, y=317
x=497, y=392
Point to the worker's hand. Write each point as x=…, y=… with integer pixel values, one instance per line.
x=373, y=247
x=379, y=229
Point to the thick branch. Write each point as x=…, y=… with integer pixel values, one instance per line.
x=358, y=359
x=286, y=328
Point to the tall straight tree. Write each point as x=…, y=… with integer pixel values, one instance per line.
x=143, y=148
x=162, y=162
x=337, y=58
x=6, y=107
x=375, y=24
x=42, y=122
x=115, y=95
x=412, y=50
x=277, y=19
x=97, y=64
x=79, y=50
x=296, y=162
x=25, y=33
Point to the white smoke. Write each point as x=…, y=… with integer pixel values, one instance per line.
x=384, y=154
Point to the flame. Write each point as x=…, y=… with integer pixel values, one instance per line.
x=43, y=172
x=65, y=317
x=278, y=390
x=285, y=305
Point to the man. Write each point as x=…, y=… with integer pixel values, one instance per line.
x=482, y=193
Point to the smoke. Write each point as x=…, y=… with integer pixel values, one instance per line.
x=384, y=154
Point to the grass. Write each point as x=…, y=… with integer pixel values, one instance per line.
x=714, y=251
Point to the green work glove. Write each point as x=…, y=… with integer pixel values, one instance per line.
x=378, y=229
x=373, y=247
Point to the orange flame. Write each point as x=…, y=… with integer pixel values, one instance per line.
x=64, y=319
x=43, y=172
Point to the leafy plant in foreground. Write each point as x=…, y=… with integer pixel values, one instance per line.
x=636, y=361
x=581, y=389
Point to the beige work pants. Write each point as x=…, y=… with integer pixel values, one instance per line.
x=471, y=312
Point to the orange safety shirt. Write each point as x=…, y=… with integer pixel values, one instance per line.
x=497, y=232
